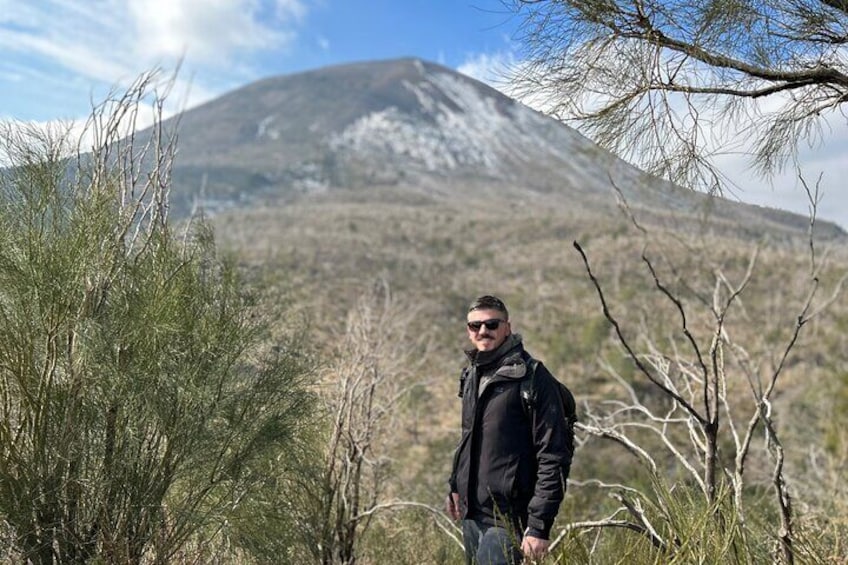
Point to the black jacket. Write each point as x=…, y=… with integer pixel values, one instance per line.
x=510, y=463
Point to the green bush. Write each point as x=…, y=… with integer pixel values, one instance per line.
x=139, y=405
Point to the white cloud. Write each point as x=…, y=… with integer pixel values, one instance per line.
x=20, y=13
x=498, y=70
x=59, y=35
x=77, y=57
x=291, y=10
x=105, y=43
x=492, y=68
x=211, y=31
x=87, y=50
x=323, y=43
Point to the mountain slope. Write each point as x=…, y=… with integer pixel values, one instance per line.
x=419, y=128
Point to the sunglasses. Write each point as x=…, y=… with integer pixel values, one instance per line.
x=491, y=325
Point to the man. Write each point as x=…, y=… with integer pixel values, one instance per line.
x=509, y=470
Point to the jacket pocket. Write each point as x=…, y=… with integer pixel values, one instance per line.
x=510, y=479
x=497, y=485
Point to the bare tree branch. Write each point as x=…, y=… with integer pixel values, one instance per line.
x=608, y=315
x=439, y=518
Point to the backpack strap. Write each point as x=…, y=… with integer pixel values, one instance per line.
x=462, y=377
x=528, y=392
x=528, y=385
x=528, y=398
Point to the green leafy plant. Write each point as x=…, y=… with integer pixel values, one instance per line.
x=139, y=400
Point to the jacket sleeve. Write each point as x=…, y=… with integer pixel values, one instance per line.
x=553, y=442
x=463, y=436
x=452, y=479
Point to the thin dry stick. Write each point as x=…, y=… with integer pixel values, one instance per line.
x=626, y=344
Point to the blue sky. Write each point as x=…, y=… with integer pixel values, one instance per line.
x=57, y=56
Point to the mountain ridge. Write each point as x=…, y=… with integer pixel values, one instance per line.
x=414, y=126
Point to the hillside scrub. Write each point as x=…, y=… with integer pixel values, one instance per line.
x=154, y=409
x=141, y=407
x=701, y=419
x=531, y=263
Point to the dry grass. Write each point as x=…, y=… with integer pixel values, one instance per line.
x=320, y=254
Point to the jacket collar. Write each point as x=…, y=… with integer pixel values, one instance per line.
x=508, y=354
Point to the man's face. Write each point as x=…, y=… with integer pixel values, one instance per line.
x=490, y=334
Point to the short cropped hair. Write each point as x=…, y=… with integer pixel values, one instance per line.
x=488, y=302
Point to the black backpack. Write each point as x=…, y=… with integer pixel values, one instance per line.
x=528, y=396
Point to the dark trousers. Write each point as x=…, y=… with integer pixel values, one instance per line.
x=490, y=545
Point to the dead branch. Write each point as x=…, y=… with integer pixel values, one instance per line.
x=439, y=518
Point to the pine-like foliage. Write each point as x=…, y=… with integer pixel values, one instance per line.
x=138, y=399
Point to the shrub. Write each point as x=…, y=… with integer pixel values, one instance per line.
x=138, y=402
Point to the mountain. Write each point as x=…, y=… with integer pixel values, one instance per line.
x=416, y=128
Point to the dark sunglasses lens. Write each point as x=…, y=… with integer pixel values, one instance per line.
x=491, y=325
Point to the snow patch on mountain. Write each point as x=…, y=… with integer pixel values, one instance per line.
x=455, y=126
x=263, y=129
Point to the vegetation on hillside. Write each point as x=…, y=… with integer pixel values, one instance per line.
x=328, y=251
x=293, y=399
x=142, y=403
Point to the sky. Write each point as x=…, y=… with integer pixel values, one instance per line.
x=58, y=57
